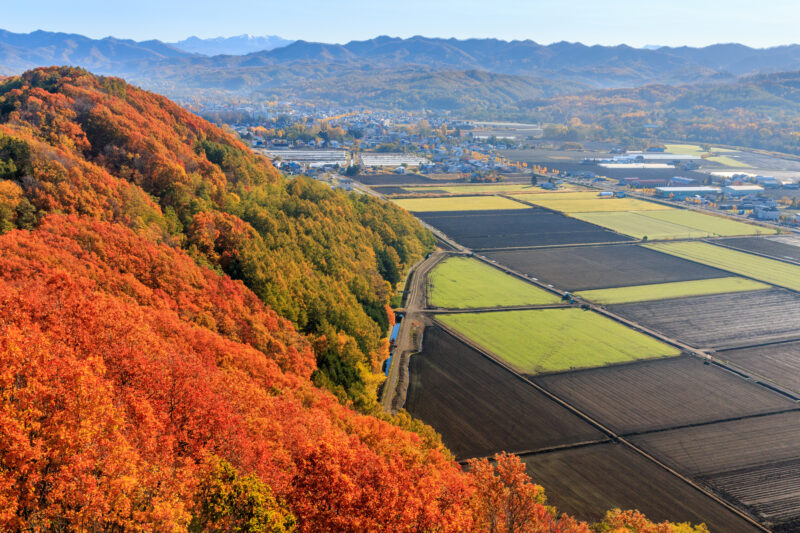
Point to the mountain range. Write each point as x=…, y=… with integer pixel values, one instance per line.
x=598, y=66
x=236, y=45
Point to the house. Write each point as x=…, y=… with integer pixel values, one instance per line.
x=344, y=183
x=766, y=213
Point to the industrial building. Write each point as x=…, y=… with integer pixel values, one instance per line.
x=742, y=190
x=682, y=193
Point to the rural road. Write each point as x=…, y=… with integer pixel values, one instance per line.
x=393, y=394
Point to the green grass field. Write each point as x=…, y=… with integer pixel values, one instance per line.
x=550, y=340
x=671, y=224
x=753, y=266
x=459, y=203
x=664, y=291
x=461, y=282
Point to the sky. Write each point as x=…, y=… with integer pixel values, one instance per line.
x=608, y=22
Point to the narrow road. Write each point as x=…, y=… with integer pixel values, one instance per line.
x=393, y=393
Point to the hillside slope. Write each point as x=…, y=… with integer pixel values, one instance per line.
x=326, y=260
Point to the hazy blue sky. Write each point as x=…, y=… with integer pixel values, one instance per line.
x=671, y=22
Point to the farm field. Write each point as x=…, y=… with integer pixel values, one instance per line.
x=779, y=363
x=589, y=480
x=552, y=340
x=593, y=267
x=660, y=394
x=744, y=264
x=777, y=246
x=394, y=179
x=676, y=289
x=670, y=224
x=458, y=203
x=515, y=228
x=581, y=202
x=721, y=320
x=728, y=161
x=462, y=282
x=752, y=462
x=474, y=188
x=479, y=407
x=711, y=224
x=637, y=224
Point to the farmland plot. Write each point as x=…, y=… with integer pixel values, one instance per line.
x=589, y=480
x=779, y=363
x=587, y=202
x=744, y=264
x=753, y=463
x=461, y=282
x=671, y=224
x=458, y=203
x=675, y=289
x=594, y=267
x=393, y=179
x=660, y=394
x=721, y=320
x=771, y=246
x=479, y=407
x=552, y=340
x=516, y=228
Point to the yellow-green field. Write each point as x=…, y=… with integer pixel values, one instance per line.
x=693, y=149
x=671, y=224
x=753, y=266
x=728, y=161
x=461, y=282
x=459, y=203
x=587, y=202
x=685, y=149
x=471, y=188
x=550, y=340
x=664, y=291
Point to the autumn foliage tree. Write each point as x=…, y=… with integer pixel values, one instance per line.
x=71, y=142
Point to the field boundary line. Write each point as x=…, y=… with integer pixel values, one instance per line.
x=721, y=242
x=632, y=242
x=548, y=449
x=598, y=425
x=466, y=310
x=709, y=423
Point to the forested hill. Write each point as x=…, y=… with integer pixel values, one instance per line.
x=167, y=298
x=761, y=111
x=328, y=261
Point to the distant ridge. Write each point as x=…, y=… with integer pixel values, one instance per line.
x=22, y=51
x=235, y=46
x=390, y=72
